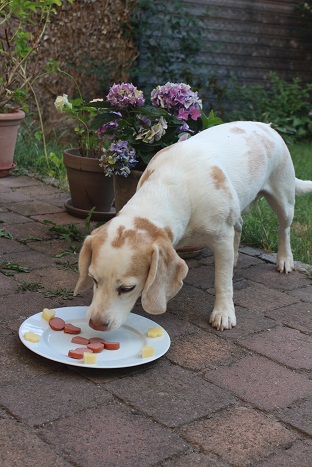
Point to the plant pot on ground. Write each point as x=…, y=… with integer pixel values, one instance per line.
x=89, y=187
x=9, y=125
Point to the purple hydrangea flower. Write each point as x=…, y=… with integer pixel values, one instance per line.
x=178, y=99
x=118, y=159
x=108, y=130
x=121, y=95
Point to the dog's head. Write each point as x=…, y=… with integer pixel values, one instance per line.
x=125, y=260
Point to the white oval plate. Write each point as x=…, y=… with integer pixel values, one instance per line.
x=132, y=335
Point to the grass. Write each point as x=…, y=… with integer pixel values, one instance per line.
x=260, y=224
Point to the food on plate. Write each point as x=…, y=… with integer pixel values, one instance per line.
x=89, y=358
x=148, y=351
x=155, y=332
x=47, y=314
x=96, y=347
x=80, y=340
x=31, y=336
x=78, y=353
x=111, y=345
x=71, y=329
x=96, y=339
x=57, y=324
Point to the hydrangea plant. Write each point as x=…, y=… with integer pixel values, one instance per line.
x=124, y=132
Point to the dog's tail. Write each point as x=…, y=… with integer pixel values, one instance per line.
x=303, y=187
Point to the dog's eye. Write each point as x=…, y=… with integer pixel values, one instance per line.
x=125, y=289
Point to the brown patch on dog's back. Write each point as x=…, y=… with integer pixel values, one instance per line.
x=237, y=130
x=146, y=174
x=218, y=177
x=142, y=223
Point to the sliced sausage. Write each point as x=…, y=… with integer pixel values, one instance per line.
x=96, y=347
x=57, y=324
x=111, y=345
x=96, y=339
x=78, y=353
x=80, y=340
x=71, y=329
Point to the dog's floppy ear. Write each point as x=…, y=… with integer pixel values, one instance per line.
x=84, y=281
x=166, y=273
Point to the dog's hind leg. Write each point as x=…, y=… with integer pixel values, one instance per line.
x=237, y=236
x=283, y=205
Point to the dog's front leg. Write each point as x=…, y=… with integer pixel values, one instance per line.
x=223, y=314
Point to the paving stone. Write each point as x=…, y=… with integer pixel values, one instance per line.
x=191, y=459
x=32, y=209
x=299, y=415
x=239, y=436
x=303, y=293
x=61, y=394
x=51, y=278
x=191, y=301
x=262, y=382
x=61, y=218
x=12, y=218
x=247, y=250
x=7, y=284
x=10, y=197
x=8, y=245
x=23, y=180
x=257, y=297
x=297, y=316
x=54, y=248
x=287, y=346
x=112, y=434
x=22, y=447
x=202, y=277
x=20, y=306
x=4, y=189
x=247, y=322
x=39, y=191
x=300, y=454
x=266, y=274
x=170, y=394
x=30, y=229
x=203, y=350
x=246, y=261
x=30, y=259
x=18, y=363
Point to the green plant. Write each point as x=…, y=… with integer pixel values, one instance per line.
x=123, y=132
x=6, y=267
x=284, y=104
x=4, y=234
x=22, y=24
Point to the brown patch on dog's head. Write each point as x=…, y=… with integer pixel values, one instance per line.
x=144, y=230
x=237, y=130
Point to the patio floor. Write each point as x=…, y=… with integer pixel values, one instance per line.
x=234, y=398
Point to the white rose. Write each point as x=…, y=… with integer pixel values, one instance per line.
x=61, y=102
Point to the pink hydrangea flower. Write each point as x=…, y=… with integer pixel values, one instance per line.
x=121, y=95
x=179, y=99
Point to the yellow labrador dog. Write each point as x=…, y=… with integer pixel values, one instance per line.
x=192, y=192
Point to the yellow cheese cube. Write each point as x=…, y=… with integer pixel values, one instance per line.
x=48, y=314
x=155, y=332
x=31, y=336
x=89, y=358
x=148, y=351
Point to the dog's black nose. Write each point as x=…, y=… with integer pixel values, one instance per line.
x=98, y=326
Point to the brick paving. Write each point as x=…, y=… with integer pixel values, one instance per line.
x=237, y=398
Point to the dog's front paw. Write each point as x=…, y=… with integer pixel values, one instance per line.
x=222, y=320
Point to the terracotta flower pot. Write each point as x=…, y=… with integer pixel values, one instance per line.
x=88, y=185
x=125, y=187
x=9, y=125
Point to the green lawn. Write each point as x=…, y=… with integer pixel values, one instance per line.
x=260, y=224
